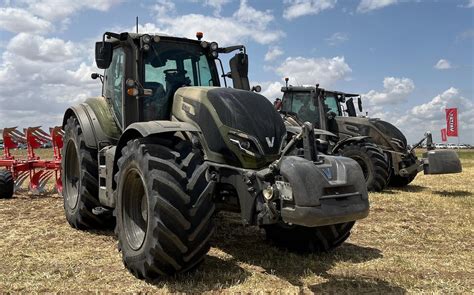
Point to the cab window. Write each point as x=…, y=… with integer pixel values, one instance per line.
x=113, y=85
x=167, y=67
x=302, y=104
x=331, y=104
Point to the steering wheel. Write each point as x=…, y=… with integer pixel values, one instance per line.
x=174, y=71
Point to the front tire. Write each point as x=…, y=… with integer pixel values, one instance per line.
x=372, y=161
x=308, y=239
x=7, y=185
x=164, y=220
x=80, y=180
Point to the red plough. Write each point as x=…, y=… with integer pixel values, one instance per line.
x=37, y=170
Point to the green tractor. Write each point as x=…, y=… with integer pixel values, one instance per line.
x=165, y=147
x=379, y=147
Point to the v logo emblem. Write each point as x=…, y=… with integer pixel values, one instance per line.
x=270, y=142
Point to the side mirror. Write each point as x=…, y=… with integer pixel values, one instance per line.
x=97, y=75
x=359, y=103
x=239, y=69
x=256, y=88
x=103, y=54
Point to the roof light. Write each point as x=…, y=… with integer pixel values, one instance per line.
x=146, y=38
x=199, y=35
x=214, y=46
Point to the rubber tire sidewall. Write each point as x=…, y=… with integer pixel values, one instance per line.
x=136, y=161
x=8, y=185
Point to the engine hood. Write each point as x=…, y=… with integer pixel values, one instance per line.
x=225, y=115
x=381, y=132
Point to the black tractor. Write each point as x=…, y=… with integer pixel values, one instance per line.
x=379, y=147
x=165, y=147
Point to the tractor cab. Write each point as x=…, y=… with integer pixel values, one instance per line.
x=143, y=72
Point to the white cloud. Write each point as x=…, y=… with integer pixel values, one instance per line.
x=337, y=38
x=443, y=64
x=40, y=49
x=298, y=8
x=271, y=90
x=272, y=53
x=309, y=71
x=396, y=90
x=18, y=20
x=430, y=116
x=60, y=9
x=369, y=5
x=164, y=7
x=246, y=23
x=470, y=4
x=40, y=77
x=216, y=4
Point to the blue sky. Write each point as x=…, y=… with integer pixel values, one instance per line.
x=410, y=59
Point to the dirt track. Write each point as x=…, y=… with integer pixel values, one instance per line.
x=416, y=239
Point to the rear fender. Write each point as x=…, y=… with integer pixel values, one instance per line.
x=96, y=121
x=348, y=140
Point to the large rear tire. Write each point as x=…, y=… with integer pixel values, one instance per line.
x=372, y=161
x=308, y=239
x=7, y=184
x=164, y=213
x=80, y=181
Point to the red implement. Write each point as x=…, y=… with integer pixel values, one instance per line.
x=37, y=170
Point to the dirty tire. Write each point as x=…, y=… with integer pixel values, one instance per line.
x=302, y=239
x=80, y=181
x=163, y=213
x=400, y=181
x=6, y=184
x=372, y=161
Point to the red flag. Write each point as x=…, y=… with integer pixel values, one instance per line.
x=444, y=138
x=452, y=122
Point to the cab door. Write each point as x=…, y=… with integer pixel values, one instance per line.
x=114, y=84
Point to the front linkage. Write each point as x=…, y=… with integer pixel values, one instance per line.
x=432, y=161
x=311, y=191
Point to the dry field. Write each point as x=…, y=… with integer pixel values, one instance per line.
x=417, y=239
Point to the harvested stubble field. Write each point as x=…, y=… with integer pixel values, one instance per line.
x=415, y=239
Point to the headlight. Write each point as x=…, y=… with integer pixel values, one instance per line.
x=246, y=143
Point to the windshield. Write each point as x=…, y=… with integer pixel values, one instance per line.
x=169, y=66
x=301, y=103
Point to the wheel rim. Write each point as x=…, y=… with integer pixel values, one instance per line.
x=363, y=165
x=72, y=175
x=134, y=209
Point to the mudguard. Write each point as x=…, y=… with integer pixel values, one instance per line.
x=328, y=193
x=145, y=129
x=97, y=122
x=348, y=140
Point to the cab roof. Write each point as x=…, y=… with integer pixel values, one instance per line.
x=292, y=88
